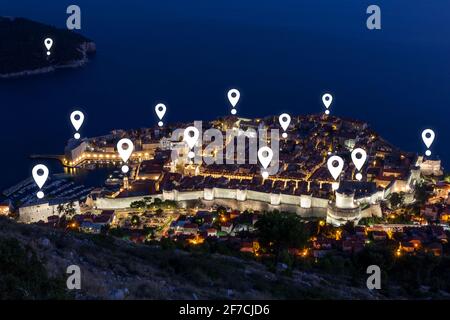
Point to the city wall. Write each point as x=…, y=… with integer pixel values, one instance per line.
x=240, y=199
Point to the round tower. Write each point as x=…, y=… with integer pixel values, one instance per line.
x=344, y=209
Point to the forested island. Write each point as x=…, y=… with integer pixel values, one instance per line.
x=23, y=52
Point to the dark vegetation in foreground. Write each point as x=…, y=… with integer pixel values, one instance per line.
x=23, y=276
x=33, y=262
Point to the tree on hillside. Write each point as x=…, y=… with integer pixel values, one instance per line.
x=421, y=193
x=279, y=231
x=66, y=212
x=135, y=220
x=396, y=199
x=169, y=204
x=69, y=211
x=60, y=208
x=137, y=204
x=382, y=256
x=147, y=202
x=221, y=210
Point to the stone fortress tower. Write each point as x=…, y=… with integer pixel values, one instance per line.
x=344, y=209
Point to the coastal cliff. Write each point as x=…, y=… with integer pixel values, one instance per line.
x=23, y=53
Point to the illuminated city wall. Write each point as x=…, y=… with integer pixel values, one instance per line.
x=240, y=198
x=253, y=205
x=212, y=194
x=118, y=203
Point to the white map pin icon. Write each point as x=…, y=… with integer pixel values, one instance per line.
x=428, y=137
x=77, y=119
x=48, y=44
x=265, y=155
x=285, y=120
x=359, y=157
x=335, y=165
x=233, y=97
x=191, y=135
x=125, y=153
x=327, y=99
x=39, y=178
x=160, y=110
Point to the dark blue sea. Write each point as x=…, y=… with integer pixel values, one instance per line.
x=282, y=55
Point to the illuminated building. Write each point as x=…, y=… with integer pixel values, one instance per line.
x=41, y=210
x=430, y=167
x=75, y=149
x=4, y=208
